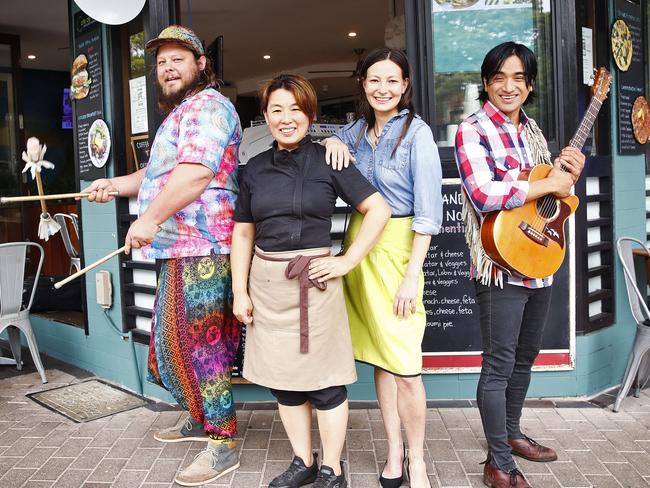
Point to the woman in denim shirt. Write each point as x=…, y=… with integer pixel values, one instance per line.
x=394, y=149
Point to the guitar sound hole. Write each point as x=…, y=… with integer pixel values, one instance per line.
x=547, y=206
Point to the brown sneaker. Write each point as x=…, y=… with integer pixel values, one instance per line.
x=527, y=448
x=495, y=478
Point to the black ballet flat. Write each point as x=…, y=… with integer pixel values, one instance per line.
x=392, y=482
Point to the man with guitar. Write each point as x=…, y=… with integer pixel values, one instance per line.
x=493, y=146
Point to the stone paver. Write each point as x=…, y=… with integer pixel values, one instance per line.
x=40, y=449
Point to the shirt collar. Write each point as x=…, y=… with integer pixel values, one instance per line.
x=499, y=118
x=282, y=155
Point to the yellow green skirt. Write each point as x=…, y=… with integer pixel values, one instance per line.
x=379, y=338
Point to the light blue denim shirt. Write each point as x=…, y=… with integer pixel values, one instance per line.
x=410, y=179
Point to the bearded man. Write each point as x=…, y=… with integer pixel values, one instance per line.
x=186, y=198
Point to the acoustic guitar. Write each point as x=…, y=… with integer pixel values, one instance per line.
x=529, y=241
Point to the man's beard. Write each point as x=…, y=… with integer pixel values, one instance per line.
x=173, y=98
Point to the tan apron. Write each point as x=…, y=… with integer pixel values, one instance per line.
x=272, y=355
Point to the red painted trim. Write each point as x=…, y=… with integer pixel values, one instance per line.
x=474, y=360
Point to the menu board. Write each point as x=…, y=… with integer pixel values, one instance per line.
x=631, y=83
x=452, y=338
x=141, y=149
x=88, y=102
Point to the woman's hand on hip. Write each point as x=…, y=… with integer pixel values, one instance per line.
x=242, y=308
x=406, y=297
x=323, y=269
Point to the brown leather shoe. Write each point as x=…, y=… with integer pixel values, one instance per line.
x=495, y=478
x=527, y=448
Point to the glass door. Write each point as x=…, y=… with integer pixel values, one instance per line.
x=10, y=136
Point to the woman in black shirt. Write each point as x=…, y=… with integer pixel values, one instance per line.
x=298, y=340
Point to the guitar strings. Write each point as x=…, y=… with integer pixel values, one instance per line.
x=550, y=202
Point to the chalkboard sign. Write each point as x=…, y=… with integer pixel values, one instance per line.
x=141, y=147
x=452, y=339
x=631, y=83
x=87, y=90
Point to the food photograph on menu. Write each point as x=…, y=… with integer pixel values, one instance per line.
x=99, y=143
x=81, y=80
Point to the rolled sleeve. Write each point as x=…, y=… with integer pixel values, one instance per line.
x=476, y=168
x=427, y=183
x=206, y=128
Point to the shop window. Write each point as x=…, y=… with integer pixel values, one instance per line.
x=462, y=35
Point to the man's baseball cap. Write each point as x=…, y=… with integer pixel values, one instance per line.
x=179, y=35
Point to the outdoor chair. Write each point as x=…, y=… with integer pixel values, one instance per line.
x=62, y=219
x=12, y=315
x=625, y=247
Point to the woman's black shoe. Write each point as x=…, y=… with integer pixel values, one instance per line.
x=297, y=474
x=327, y=479
x=393, y=482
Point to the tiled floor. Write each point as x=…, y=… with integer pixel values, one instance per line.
x=39, y=448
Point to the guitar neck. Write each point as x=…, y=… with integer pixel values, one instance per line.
x=587, y=122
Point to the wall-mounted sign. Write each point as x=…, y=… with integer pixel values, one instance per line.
x=140, y=146
x=587, y=56
x=89, y=101
x=628, y=53
x=138, y=99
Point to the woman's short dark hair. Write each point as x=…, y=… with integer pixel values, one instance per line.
x=301, y=89
x=495, y=58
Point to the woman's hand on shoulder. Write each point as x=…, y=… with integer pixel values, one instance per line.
x=242, y=308
x=406, y=297
x=323, y=269
x=337, y=153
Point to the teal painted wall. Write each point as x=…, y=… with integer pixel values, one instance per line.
x=600, y=357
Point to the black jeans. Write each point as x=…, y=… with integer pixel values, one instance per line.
x=512, y=323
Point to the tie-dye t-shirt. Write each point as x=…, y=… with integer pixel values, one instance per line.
x=203, y=129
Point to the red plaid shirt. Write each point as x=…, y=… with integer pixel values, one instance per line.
x=490, y=154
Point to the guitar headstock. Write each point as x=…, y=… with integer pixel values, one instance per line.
x=602, y=80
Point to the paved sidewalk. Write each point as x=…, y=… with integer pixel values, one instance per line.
x=39, y=448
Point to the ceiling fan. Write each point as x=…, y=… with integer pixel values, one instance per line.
x=353, y=73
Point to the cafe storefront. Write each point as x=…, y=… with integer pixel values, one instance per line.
x=590, y=332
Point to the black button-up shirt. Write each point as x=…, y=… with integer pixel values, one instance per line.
x=291, y=195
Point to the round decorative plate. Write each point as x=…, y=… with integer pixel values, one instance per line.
x=99, y=143
x=641, y=119
x=621, y=44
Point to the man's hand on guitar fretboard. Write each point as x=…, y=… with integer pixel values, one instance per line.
x=573, y=161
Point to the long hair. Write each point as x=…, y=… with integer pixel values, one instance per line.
x=363, y=107
x=495, y=58
x=206, y=78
